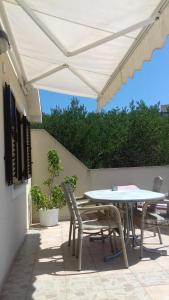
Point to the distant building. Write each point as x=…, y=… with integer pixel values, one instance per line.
x=164, y=109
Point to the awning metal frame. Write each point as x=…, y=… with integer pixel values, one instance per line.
x=61, y=47
x=15, y=57
x=59, y=68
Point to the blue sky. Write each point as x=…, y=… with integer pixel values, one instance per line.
x=151, y=84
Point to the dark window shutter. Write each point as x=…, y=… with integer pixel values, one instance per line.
x=27, y=149
x=14, y=138
x=19, y=145
x=8, y=134
x=18, y=161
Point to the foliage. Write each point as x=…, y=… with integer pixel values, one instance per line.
x=54, y=168
x=72, y=180
x=39, y=198
x=54, y=198
x=57, y=196
x=133, y=136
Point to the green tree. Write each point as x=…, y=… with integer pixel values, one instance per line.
x=133, y=136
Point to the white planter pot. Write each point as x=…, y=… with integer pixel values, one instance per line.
x=49, y=217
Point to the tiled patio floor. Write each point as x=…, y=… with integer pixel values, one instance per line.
x=45, y=269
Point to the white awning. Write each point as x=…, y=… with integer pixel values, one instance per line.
x=87, y=48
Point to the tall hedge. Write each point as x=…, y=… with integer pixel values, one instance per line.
x=134, y=136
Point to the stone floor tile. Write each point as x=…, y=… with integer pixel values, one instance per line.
x=110, y=273
x=164, y=265
x=146, y=266
x=96, y=295
x=84, y=282
x=84, y=273
x=13, y=296
x=153, y=278
x=47, y=287
x=128, y=294
x=158, y=292
x=45, y=269
x=119, y=281
x=81, y=287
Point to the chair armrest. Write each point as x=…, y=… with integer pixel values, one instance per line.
x=81, y=197
x=82, y=203
x=147, y=207
x=97, y=207
x=108, y=207
x=155, y=202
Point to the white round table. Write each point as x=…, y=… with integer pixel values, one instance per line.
x=129, y=198
x=125, y=196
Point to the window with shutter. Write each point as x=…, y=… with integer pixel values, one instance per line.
x=19, y=146
x=29, y=151
x=27, y=148
x=18, y=164
x=8, y=135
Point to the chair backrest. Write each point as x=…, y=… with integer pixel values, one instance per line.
x=68, y=200
x=72, y=204
x=157, y=184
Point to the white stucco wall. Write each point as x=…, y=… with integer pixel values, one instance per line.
x=140, y=176
x=13, y=200
x=88, y=179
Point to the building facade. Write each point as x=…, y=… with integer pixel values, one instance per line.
x=14, y=212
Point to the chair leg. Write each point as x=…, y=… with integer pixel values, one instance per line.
x=115, y=241
x=73, y=247
x=159, y=234
x=123, y=246
x=141, y=241
x=111, y=242
x=102, y=236
x=80, y=241
x=154, y=231
x=77, y=246
x=70, y=232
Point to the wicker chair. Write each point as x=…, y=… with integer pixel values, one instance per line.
x=91, y=219
x=150, y=217
x=81, y=201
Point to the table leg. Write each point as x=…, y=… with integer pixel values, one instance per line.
x=126, y=235
x=134, y=236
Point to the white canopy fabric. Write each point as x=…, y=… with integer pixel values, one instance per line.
x=87, y=48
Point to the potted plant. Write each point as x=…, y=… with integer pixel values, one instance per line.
x=49, y=201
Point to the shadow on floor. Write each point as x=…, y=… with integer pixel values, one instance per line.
x=37, y=261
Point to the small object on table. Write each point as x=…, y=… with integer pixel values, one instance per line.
x=127, y=187
x=114, y=188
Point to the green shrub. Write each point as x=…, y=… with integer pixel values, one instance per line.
x=54, y=198
x=133, y=136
